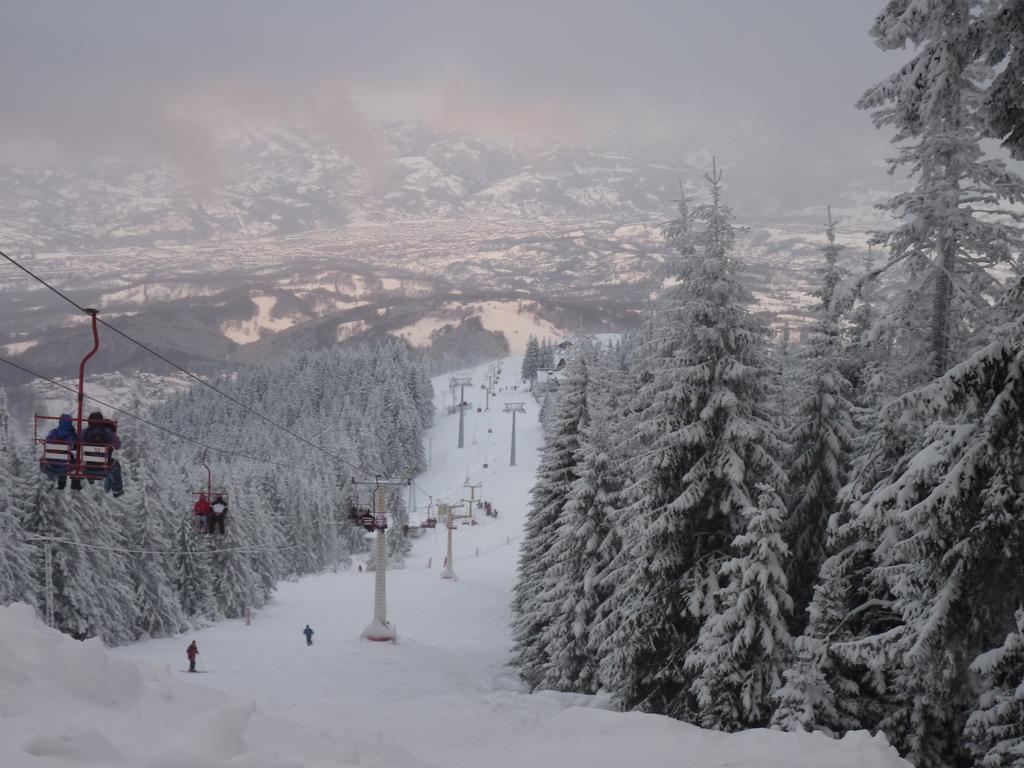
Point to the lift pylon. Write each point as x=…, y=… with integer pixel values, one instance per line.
x=379, y=629
x=450, y=514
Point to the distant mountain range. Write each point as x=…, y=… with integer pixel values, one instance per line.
x=283, y=182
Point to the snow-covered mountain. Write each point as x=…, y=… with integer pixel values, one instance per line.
x=277, y=181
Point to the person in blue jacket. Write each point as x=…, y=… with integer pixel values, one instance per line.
x=101, y=432
x=57, y=469
x=309, y=635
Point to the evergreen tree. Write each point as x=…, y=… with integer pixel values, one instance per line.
x=1000, y=33
x=822, y=435
x=949, y=236
x=531, y=360
x=15, y=552
x=92, y=585
x=157, y=609
x=946, y=562
x=536, y=592
x=580, y=552
x=742, y=650
x=995, y=729
x=701, y=441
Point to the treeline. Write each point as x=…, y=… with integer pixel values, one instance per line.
x=137, y=566
x=829, y=537
x=453, y=347
x=539, y=356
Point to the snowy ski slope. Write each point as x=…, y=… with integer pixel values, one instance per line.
x=441, y=696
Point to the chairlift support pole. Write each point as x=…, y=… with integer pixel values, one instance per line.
x=514, y=408
x=462, y=383
x=472, y=495
x=379, y=630
x=448, y=572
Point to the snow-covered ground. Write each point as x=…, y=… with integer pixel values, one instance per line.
x=441, y=696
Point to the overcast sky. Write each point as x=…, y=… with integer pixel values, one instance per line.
x=769, y=84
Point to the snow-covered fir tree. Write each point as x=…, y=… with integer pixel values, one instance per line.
x=1000, y=34
x=150, y=530
x=995, y=729
x=949, y=237
x=15, y=551
x=531, y=359
x=537, y=595
x=944, y=577
x=92, y=584
x=744, y=647
x=584, y=542
x=822, y=433
x=700, y=440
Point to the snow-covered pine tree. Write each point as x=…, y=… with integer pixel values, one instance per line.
x=946, y=520
x=15, y=552
x=234, y=580
x=949, y=237
x=531, y=359
x=1000, y=29
x=92, y=582
x=700, y=441
x=149, y=531
x=538, y=580
x=822, y=435
x=546, y=359
x=744, y=647
x=995, y=729
x=584, y=544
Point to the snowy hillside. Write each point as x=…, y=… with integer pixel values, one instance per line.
x=283, y=181
x=442, y=696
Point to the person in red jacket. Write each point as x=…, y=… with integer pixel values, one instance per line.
x=202, y=511
x=192, y=651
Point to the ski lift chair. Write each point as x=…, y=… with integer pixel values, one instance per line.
x=83, y=461
x=86, y=461
x=204, y=523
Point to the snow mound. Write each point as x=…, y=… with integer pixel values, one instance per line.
x=39, y=664
x=601, y=738
x=66, y=703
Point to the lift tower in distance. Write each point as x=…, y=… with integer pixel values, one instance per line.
x=514, y=408
x=461, y=382
x=449, y=512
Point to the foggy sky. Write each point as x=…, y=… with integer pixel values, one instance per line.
x=768, y=85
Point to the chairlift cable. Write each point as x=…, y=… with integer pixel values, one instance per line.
x=130, y=551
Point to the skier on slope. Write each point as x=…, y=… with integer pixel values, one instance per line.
x=309, y=635
x=192, y=651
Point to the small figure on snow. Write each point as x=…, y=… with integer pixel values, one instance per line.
x=309, y=635
x=192, y=651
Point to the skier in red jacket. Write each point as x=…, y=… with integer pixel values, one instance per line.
x=192, y=651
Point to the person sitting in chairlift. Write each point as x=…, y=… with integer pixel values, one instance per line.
x=102, y=432
x=202, y=511
x=218, y=511
x=57, y=469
